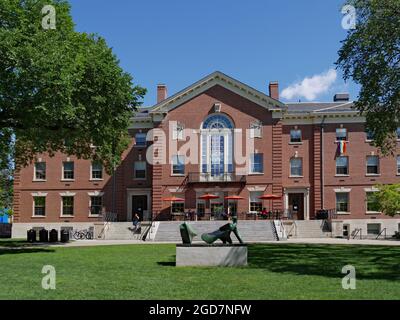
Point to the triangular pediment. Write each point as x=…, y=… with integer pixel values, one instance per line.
x=221, y=79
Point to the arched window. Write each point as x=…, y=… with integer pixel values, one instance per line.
x=217, y=146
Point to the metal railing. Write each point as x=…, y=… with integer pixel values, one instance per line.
x=293, y=227
x=356, y=232
x=195, y=177
x=380, y=233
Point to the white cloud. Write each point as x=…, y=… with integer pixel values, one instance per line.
x=311, y=87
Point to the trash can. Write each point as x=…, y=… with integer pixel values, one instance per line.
x=53, y=235
x=322, y=214
x=43, y=235
x=64, y=235
x=31, y=235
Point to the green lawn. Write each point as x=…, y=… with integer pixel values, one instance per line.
x=281, y=271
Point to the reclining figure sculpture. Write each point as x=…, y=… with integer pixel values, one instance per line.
x=223, y=233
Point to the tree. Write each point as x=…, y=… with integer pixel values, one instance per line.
x=60, y=90
x=6, y=190
x=388, y=199
x=370, y=55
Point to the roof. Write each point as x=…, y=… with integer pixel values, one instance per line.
x=218, y=78
x=321, y=107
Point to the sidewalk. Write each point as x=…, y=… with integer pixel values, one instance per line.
x=90, y=243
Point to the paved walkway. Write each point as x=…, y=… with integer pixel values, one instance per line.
x=90, y=243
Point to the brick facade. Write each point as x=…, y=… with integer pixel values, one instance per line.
x=244, y=106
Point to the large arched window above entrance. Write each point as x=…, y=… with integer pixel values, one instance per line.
x=217, y=146
x=217, y=121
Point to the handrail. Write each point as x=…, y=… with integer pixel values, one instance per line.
x=107, y=218
x=356, y=231
x=383, y=230
x=294, y=226
x=147, y=230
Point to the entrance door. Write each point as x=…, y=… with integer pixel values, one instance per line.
x=296, y=205
x=139, y=204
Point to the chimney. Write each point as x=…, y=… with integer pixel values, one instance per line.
x=161, y=92
x=274, y=90
x=341, y=97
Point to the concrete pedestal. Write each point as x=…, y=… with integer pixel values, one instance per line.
x=218, y=255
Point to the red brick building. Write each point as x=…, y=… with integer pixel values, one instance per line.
x=223, y=137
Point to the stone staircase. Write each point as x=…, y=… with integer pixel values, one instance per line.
x=123, y=231
x=250, y=231
x=309, y=229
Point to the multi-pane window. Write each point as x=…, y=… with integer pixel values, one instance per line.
x=342, y=165
x=140, y=139
x=255, y=202
x=96, y=205
x=68, y=206
x=372, y=165
x=256, y=129
x=40, y=171
x=140, y=170
x=178, y=164
x=256, y=163
x=295, y=135
x=372, y=203
x=341, y=134
x=177, y=207
x=296, y=167
x=398, y=164
x=342, y=201
x=373, y=228
x=97, y=170
x=68, y=170
x=39, y=204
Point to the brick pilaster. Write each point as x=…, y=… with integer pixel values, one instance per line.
x=277, y=132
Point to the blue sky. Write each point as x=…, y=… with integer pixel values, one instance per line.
x=177, y=42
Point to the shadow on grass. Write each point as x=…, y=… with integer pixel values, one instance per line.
x=371, y=262
x=167, y=263
x=18, y=250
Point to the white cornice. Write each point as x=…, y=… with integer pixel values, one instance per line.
x=218, y=78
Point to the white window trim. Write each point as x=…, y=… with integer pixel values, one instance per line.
x=94, y=194
x=66, y=194
x=290, y=137
x=220, y=132
x=34, y=173
x=343, y=190
x=145, y=171
x=62, y=171
x=260, y=193
x=141, y=145
x=91, y=173
x=290, y=168
x=251, y=173
x=172, y=167
x=370, y=190
x=378, y=165
x=38, y=194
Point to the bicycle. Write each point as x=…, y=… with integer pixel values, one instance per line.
x=83, y=234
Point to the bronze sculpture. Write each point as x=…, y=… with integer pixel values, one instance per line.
x=223, y=233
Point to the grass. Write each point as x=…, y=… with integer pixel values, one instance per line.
x=284, y=271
